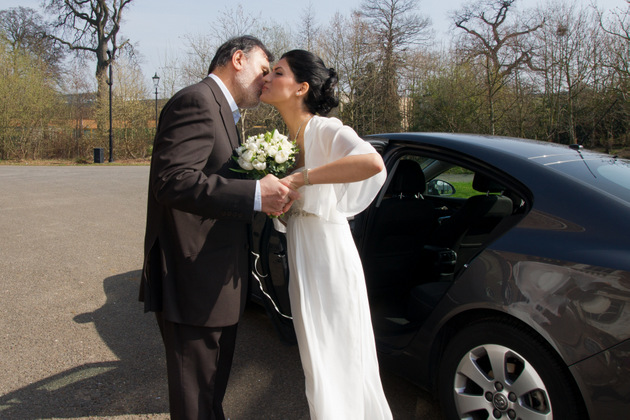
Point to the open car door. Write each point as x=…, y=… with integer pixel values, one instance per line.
x=269, y=283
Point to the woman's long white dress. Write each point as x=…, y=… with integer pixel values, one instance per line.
x=327, y=288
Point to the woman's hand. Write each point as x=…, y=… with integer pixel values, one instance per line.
x=294, y=181
x=276, y=197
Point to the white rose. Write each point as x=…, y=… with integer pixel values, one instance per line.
x=272, y=150
x=282, y=156
x=287, y=145
x=258, y=165
x=248, y=155
x=245, y=164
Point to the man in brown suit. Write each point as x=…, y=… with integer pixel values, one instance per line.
x=196, y=245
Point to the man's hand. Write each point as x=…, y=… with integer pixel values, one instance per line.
x=276, y=196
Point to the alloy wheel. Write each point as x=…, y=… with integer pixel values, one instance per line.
x=493, y=381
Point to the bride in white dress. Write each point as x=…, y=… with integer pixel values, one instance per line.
x=338, y=176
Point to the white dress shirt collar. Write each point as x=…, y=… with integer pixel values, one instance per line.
x=235, y=111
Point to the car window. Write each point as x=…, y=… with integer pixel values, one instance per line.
x=608, y=174
x=617, y=172
x=424, y=162
x=460, y=178
x=444, y=178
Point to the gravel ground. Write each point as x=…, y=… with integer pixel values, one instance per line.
x=74, y=342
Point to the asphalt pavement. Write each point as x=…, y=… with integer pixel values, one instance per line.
x=74, y=341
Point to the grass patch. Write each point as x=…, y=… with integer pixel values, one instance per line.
x=463, y=190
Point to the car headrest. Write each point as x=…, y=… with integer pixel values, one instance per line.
x=408, y=179
x=484, y=184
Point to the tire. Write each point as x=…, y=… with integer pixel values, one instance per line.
x=534, y=383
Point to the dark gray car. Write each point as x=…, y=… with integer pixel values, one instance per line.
x=498, y=271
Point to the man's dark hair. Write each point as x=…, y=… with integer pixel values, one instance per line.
x=245, y=43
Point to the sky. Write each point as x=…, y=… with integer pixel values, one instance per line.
x=158, y=27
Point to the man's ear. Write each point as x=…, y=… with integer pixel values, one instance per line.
x=238, y=59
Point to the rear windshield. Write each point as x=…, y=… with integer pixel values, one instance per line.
x=607, y=173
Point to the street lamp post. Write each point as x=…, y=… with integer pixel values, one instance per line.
x=156, y=83
x=110, y=82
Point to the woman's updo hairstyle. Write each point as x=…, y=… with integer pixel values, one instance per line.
x=309, y=68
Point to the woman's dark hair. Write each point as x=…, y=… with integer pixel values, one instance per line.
x=309, y=68
x=245, y=43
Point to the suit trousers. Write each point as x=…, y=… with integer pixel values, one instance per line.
x=198, y=363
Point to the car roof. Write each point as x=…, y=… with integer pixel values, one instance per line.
x=518, y=157
x=544, y=153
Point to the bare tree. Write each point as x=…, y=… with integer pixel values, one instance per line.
x=91, y=27
x=23, y=29
x=201, y=48
x=230, y=23
x=79, y=87
x=396, y=24
x=570, y=60
x=234, y=22
x=417, y=69
x=617, y=26
x=131, y=111
x=489, y=35
x=309, y=28
x=397, y=27
x=348, y=45
x=171, y=74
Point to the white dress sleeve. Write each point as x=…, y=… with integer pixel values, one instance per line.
x=326, y=140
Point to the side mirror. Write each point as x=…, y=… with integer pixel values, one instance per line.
x=439, y=187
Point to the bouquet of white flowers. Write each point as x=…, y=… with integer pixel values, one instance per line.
x=269, y=153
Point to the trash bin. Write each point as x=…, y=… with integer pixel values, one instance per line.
x=99, y=155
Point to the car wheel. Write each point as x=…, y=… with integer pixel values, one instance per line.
x=501, y=370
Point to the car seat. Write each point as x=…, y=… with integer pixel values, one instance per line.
x=402, y=225
x=468, y=228
x=464, y=234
